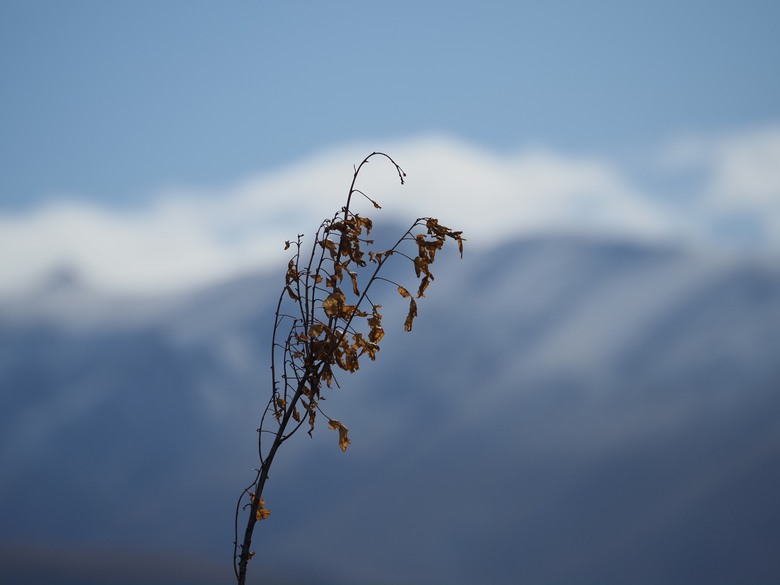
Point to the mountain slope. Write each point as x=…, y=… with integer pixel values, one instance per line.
x=566, y=411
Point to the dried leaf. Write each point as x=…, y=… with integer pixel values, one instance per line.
x=336, y=225
x=290, y=277
x=365, y=221
x=376, y=333
x=423, y=285
x=327, y=375
x=333, y=304
x=292, y=272
x=279, y=406
x=350, y=362
x=371, y=349
x=343, y=433
x=355, y=289
x=403, y=292
x=262, y=512
x=292, y=295
x=317, y=329
x=330, y=245
x=312, y=417
x=416, y=267
x=411, y=315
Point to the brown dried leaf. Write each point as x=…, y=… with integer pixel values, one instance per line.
x=336, y=225
x=312, y=417
x=327, y=375
x=376, y=334
x=292, y=295
x=279, y=405
x=371, y=349
x=343, y=433
x=411, y=315
x=434, y=227
x=365, y=221
x=330, y=245
x=317, y=329
x=262, y=512
x=333, y=304
x=351, y=363
x=353, y=276
x=423, y=285
x=403, y=292
x=292, y=272
x=421, y=265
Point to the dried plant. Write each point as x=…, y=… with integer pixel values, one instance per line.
x=326, y=321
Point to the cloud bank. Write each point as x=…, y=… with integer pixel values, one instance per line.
x=188, y=237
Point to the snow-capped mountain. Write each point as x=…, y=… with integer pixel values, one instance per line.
x=566, y=410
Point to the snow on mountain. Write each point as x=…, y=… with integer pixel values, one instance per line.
x=567, y=410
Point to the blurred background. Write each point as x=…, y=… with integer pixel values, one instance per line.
x=592, y=395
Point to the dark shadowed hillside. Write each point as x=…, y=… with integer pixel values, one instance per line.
x=565, y=411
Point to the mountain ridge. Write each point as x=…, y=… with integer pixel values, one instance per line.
x=566, y=410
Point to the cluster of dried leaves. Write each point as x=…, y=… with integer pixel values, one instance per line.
x=326, y=321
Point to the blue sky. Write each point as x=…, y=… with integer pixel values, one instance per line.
x=111, y=100
x=117, y=105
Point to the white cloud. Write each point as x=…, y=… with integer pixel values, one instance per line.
x=743, y=168
x=188, y=238
x=737, y=196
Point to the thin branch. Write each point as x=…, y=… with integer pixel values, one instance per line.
x=324, y=334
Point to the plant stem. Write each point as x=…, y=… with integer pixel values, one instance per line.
x=279, y=438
